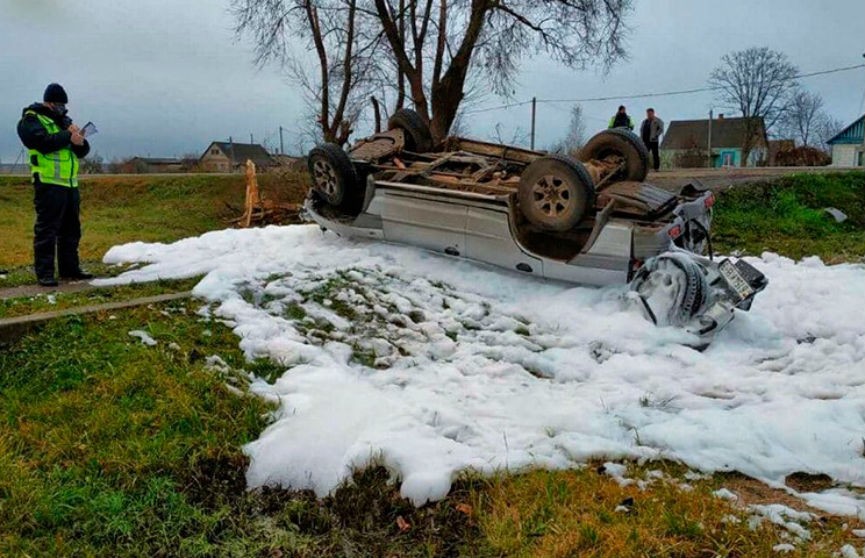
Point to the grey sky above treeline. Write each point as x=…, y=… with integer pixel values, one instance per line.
x=164, y=78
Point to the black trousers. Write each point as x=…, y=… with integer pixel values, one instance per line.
x=57, y=229
x=656, y=157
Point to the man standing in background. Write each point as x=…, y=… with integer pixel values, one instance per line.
x=55, y=145
x=621, y=120
x=650, y=132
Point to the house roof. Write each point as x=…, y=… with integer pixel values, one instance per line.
x=852, y=134
x=158, y=160
x=240, y=152
x=726, y=132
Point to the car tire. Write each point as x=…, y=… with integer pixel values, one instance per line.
x=623, y=143
x=555, y=193
x=418, y=136
x=334, y=179
x=692, y=282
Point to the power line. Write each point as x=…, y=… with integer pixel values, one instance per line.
x=647, y=95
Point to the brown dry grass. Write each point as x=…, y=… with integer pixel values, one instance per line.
x=573, y=513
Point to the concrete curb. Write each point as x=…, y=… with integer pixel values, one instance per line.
x=12, y=329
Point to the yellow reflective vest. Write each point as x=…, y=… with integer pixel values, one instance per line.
x=59, y=167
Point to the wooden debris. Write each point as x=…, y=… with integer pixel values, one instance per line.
x=257, y=210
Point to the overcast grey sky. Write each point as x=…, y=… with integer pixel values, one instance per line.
x=164, y=78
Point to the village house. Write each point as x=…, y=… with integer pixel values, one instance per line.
x=848, y=146
x=223, y=156
x=146, y=165
x=686, y=142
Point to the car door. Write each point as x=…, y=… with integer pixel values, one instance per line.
x=489, y=239
x=420, y=221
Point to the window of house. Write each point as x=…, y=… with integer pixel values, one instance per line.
x=214, y=151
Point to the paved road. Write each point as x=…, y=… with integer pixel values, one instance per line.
x=720, y=179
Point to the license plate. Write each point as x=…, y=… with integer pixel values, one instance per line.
x=738, y=283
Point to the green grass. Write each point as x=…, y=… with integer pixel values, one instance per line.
x=786, y=216
x=49, y=302
x=120, y=209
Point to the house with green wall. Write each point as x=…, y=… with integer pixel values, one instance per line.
x=848, y=146
x=687, y=142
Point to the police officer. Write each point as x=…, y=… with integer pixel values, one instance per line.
x=621, y=119
x=55, y=145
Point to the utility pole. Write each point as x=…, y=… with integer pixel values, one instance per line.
x=534, y=112
x=861, y=160
x=281, y=150
x=231, y=147
x=250, y=138
x=711, y=116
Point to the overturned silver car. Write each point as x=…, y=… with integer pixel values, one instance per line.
x=591, y=222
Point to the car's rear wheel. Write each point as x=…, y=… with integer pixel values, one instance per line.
x=555, y=193
x=334, y=179
x=623, y=144
x=418, y=137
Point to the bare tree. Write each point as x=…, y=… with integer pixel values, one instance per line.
x=826, y=128
x=759, y=82
x=94, y=164
x=429, y=53
x=438, y=44
x=804, y=113
x=575, y=136
x=344, y=48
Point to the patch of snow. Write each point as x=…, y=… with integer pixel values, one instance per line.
x=783, y=548
x=785, y=517
x=725, y=494
x=617, y=472
x=487, y=370
x=695, y=476
x=848, y=551
x=838, y=501
x=859, y=533
x=216, y=363
x=144, y=337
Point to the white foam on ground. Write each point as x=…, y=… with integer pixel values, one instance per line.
x=477, y=368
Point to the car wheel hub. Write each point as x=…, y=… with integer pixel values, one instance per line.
x=325, y=177
x=551, y=196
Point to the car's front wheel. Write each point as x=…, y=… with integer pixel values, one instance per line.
x=555, y=193
x=334, y=179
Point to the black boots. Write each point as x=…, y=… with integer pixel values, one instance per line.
x=79, y=275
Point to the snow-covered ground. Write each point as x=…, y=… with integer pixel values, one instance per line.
x=431, y=366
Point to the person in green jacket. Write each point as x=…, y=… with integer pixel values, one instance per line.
x=621, y=119
x=55, y=146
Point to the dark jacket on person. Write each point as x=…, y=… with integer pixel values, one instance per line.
x=34, y=135
x=621, y=120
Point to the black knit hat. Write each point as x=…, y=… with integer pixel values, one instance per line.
x=55, y=93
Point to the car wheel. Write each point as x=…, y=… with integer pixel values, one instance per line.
x=624, y=144
x=418, y=135
x=334, y=179
x=555, y=192
x=673, y=288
